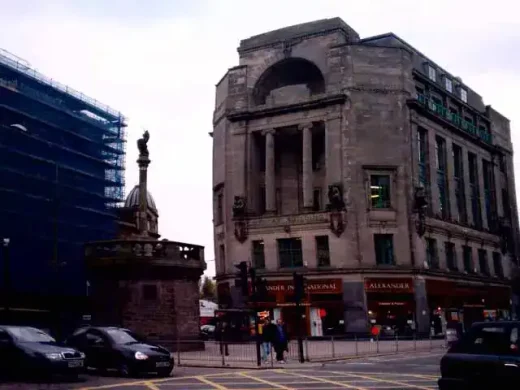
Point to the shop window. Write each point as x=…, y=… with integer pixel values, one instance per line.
x=451, y=256
x=497, y=265
x=380, y=191
x=432, y=258
x=384, y=248
x=290, y=252
x=322, y=251
x=467, y=253
x=483, y=261
x=317, y=200
x=258, y=254
x=149, y=292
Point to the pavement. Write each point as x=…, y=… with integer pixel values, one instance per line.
x=411, y=370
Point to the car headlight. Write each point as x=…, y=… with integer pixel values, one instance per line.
x=53, y=356
x=140, y=356
x=82, y=355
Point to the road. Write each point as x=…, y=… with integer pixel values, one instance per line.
x=404, y=371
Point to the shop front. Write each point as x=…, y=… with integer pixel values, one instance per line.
x=391, y=305
x=322, y=306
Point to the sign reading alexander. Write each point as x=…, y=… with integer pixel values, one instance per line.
x=319, y=286
x=389, y=285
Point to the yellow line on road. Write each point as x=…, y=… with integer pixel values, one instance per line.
x=347, y=373
x=151, y=385
x=266, y=382
x=319, y=379
x=208, y=382
x=388, y=381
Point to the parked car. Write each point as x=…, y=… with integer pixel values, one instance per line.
x=25, y=350
x=486, y=357
x=121, y=349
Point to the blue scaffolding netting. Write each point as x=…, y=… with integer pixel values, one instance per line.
x=62, y=161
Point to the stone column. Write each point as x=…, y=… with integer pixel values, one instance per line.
x=270, y=175
x=306, y=128
x=143, y=161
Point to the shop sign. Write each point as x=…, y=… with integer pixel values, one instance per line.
x=326, y=286
x=386, y=285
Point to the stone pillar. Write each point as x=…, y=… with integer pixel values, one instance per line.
x=270, y=175
x=143, y=162
x=306, y=129
x=355, y=308
x=333, y=148
x=422, y=310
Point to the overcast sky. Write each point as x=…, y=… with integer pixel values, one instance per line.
x=158, y=61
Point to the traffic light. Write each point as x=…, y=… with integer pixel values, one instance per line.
x=242, y=278
x=299, y=287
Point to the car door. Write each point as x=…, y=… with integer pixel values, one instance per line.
x=97, y=349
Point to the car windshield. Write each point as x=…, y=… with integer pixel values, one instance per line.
x=122, y=336
x=29, y=335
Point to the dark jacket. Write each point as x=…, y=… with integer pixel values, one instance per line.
x=282, y=343
x=269, y=333
x=222, y=333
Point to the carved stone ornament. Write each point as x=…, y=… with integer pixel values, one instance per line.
x=336, y=223
x=335, y=194
x=239, y=207
x=241, y=231
x=142, y=144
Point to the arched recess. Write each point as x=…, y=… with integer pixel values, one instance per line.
x=291, y=71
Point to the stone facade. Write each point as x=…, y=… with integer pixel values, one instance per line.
x=314, y=106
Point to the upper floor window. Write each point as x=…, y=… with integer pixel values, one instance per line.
x=467, y=253
x=451, y=256
x=258, y=254
x=497, y=264
x=483, y=261
x=380, y=191
x=322, y=251
x=317, y=200
x=449, y=85
x=422, y=150
x=290, y=252
x=442, y=178
x=432, y=258
x=221, y=265
x=384, y=247
x=463, y=95
x=220, y=209
x=432, y=73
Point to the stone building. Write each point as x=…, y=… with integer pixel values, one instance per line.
x=368, y=167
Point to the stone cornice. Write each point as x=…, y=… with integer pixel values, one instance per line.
x=318, y=101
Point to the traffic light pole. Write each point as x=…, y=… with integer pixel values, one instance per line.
x=299, y=289
x=255, y=308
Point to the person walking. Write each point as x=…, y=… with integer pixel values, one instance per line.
x=281, y=342
x=222, y=335
x=268, y=338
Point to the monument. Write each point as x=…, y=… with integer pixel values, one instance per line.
x=140, y=282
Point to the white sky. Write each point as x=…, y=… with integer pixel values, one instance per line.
x=158, y=62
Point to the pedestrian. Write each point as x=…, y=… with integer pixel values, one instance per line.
x=281, y=343
x=268, y=338
x=222, y=336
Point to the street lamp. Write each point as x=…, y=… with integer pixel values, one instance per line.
x=7, y=276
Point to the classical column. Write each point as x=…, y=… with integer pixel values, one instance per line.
x=307, y=164
x=143, y=161
x=270, y=185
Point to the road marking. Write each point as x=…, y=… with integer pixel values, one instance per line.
x=348, y=373
x=388, y=381
x=319, y=379
x=208, y=382
x=264, y=381
x=151, y=385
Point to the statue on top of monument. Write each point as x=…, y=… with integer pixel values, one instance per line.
x=142, y=144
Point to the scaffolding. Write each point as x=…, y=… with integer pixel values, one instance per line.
x=62, y=161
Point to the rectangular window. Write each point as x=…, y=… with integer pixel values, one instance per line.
x=316, y=200
x=483, y=261
x=278, y=200
x=431, y=253
x=422, y=149
x=220, y=209
x=489, y=194
x=384, y=247
x=497, y=264
x=463, y=95
x=322, y=251
x=451, y=256
x=432, y=73
x=221, y=259
x=442, y=182
x=505, y=203
x=290, y=252
x=380, y=191
x=261, y=202
x=474, y=190
x=258, y=254
x=449, y=85
x=467, y=253
x=458, y=176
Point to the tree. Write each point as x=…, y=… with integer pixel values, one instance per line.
x=208, y=289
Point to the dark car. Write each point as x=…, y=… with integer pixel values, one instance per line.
x=121, y=349
x=25, y=350
x=487, y=356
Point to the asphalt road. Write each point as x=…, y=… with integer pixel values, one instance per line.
x=404, y=371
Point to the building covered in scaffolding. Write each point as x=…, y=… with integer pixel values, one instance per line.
x=62, y=161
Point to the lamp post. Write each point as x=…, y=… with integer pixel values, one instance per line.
x=7, y=277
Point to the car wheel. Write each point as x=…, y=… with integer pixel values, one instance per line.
x=126, y=371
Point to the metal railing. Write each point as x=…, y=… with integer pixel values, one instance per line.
x=216, y=353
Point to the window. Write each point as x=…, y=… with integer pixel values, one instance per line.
x=467, y=253
x=432, y=73
x=458, y=176
x=497, y=264
x=489, y=339
x=380, y=191
x=449, y=85
x=432, y=258
x=463, y=95
x=290, y=252
x=316, y=200
x=220, y=209
x=474, y=190
x=502, y=163
x=442, y=182
x=322, y=251
x=489, y=194
x=261, y=201
x=451, y=256
x=505, y=203
x=258, y=254
x=222, y=258
x=483, y=261
x=384, y=247
x=422, y=148
x=149, y=292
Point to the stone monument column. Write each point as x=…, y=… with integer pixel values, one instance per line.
x=307, y=165
x=143, y=161
x=270, y=174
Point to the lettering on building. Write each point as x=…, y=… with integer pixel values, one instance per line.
x=303, y=219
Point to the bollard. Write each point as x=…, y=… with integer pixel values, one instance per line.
x=377, y=344
x=222, y=353
x=355, y=340
x=333, y=352
x=178, y=351
x=396, y=343
x=307, y=349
